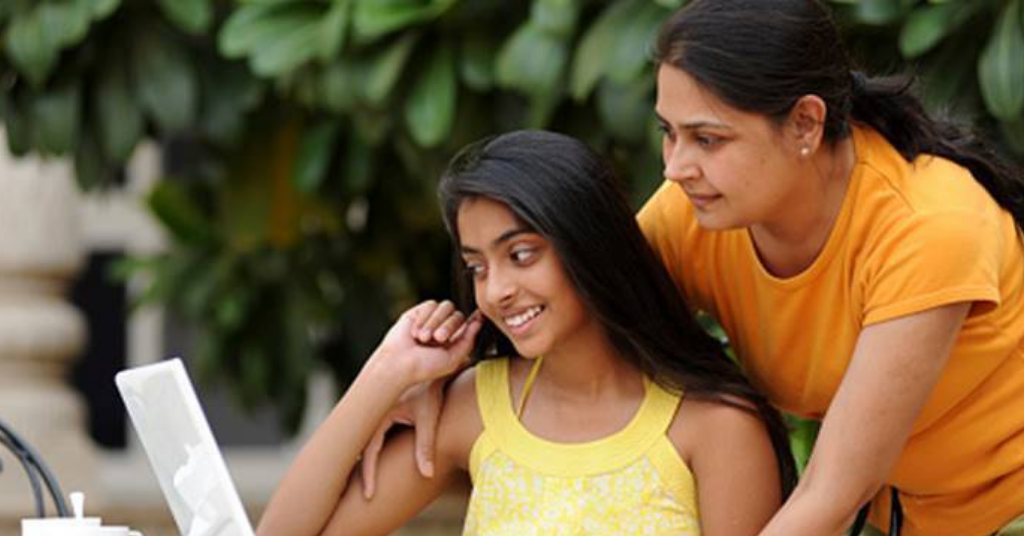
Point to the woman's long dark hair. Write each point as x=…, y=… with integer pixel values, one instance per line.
x=565, y=192
x=761, y=56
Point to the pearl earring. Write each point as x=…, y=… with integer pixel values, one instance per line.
x=805, y=151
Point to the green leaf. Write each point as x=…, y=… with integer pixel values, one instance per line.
x=532, y=62
x=282, y=53
x=29, y=48
x=55, y=114
x=358, y=167
x=476, y=62
x=333, y=30
x=17, y=124
x=337, y=86
x=165, y=82
x=925, y=28
x=1001, y=68
x=626, y=109
x=879, y=12
x=557, y=17
x=375, y=18
x=632, y=55
x=430, y=107
x=251, y=26
x=383, y=73
x=119, y=119
x=315, y=150
x=1013, y=134
x=92, y=169
x=229, y=92
x=66, y=23
x=174, y=207
x=101, y=9
x=192, y=16
x=616, y=45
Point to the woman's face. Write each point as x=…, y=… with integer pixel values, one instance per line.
x=518, y=279
x=730, y=163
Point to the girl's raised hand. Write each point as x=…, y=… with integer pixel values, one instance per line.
x=420, y=405
x=430, y=340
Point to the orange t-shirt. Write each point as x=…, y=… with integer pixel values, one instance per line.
x=909, y=237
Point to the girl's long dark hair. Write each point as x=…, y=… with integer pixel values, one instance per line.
x=761, y=56
x=564, y=191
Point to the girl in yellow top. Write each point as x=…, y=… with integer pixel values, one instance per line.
x=865, y=260
x=594, y=438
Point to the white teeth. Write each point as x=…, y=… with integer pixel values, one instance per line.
x=524, y=317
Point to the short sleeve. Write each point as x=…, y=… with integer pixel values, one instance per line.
x=655, y=221
x=930, y=260
x=667, y=222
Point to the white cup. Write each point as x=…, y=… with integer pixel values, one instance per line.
x=70, y=526
x=108, y=530
x=56, y=526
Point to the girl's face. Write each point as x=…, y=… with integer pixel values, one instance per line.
x=518, y=279
x=731, y=164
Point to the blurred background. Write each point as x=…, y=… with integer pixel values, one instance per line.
x=250, y=185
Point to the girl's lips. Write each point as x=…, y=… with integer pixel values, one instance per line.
x=520, y=329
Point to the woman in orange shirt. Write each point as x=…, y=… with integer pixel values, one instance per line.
x=864, y=259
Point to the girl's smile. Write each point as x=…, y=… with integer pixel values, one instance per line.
x=518, y=280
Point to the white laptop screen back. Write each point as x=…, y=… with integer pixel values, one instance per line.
x=177, y=439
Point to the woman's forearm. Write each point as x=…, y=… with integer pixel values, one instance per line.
x=308, y=494
x=825, y=511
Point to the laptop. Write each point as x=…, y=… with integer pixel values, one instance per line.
x=182, y=450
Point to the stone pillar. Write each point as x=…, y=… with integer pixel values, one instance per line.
x=40, y=332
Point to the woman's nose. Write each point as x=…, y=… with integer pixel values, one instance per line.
x=680, y=169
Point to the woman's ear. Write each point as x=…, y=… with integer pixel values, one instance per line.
x=807, y=124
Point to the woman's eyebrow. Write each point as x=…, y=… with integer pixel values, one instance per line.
x=693, y=125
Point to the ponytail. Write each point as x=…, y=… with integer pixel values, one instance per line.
x=887, y=105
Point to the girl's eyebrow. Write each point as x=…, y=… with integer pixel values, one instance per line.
x=693, y=125
x=505, y=237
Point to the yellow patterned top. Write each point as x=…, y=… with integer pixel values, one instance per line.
x=631, y=482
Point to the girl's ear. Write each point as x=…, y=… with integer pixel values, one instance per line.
x=806, y=124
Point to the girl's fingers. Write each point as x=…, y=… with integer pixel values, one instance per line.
x=432, y=322
x=449, y=327
x=420, y=313
x=475, y=315
x=464, y=343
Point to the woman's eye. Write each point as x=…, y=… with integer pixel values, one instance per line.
x=707, y=141
x=665, y=131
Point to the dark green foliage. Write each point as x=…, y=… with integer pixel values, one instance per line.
x=310, y=134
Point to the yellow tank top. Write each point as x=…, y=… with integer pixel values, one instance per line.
x=630, y=482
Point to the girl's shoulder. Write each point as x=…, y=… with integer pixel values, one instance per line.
x=460, y=423
x=703, y=426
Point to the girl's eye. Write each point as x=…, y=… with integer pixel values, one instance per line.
x=474, y=269
x=523, y=256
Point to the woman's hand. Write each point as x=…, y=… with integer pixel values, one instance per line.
x=433, y=324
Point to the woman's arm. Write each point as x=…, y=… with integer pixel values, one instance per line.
x=732, y=459
x=310, y=493
x=894, y=368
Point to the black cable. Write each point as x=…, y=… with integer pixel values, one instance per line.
x=35, y=461
x=33, y=478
